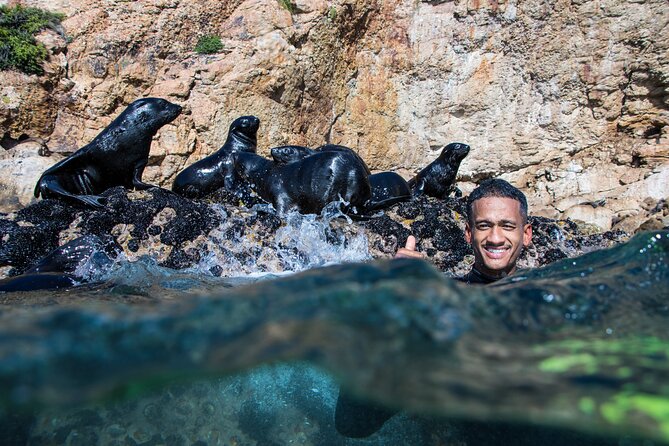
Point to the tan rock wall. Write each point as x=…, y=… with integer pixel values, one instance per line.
x=567, y=99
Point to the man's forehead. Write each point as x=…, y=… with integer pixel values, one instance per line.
x=502, y=208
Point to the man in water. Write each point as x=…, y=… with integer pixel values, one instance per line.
x=497, y=229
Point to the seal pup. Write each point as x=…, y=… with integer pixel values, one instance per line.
x=68, y=265
x=288, y=154
x=217, y=170
x=388, y=188
x=438, y=178
x=116, y=157
x=309, y=183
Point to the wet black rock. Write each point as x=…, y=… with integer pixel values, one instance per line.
x=32, y=232
x=179, y=232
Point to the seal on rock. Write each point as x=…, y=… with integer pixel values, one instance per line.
x=289, y=154
x=217, y=170
x=116, y=157
x=340, y=148
x=388, y=188
x=309, y=183
x=437, y=179
x=68, y=265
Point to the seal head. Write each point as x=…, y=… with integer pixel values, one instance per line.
x=289, y=154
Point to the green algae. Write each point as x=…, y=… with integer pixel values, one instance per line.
x=561, y=364
x=210, y=44
x=587, y=405
x=623, y=405
x=645, y=345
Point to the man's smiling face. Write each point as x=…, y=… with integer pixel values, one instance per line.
x=498, y=235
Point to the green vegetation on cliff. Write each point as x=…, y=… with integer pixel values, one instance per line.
x=18, y=48
x=288, y=5
x=210, y=44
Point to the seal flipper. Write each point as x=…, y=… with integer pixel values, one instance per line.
x=36, y=281
x=50, y=181
x=49, y=187
x=73, y=162
x=137, y=182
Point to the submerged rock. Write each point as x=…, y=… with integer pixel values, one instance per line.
x=581, y=342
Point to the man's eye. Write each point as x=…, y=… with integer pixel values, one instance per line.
x=509, y=227
x=482, y=226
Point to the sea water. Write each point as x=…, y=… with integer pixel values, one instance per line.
x=572, y=351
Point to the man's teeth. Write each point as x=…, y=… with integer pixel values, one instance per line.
x=496, y=250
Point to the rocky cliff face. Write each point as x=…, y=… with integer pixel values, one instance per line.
x=569, y=100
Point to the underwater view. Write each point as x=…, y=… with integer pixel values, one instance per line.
x=574, y=352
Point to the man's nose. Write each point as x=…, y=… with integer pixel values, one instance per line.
x=496, y=235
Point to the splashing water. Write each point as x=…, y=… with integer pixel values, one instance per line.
x=301, y=242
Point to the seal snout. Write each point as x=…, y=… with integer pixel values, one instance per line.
x=173, y=110
x=247, y=123
x=457, y=150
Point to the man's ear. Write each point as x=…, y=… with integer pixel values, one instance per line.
x=468, y=233
x=527, y=235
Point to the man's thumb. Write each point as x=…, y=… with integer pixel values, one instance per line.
x=411, y=243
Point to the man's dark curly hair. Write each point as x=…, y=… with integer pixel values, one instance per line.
x=496, y=187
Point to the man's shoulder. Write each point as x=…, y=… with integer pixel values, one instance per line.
x=474, y=277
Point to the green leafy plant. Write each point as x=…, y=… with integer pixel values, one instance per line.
x=18, y=48
x=332, y=14
x=287, y=5
x=209, y=45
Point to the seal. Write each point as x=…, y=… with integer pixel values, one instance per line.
x=116, y=157
x=438, y=178
x=69, y=265
x=307, y=184
x=388, y=188
x=290, y=154
x=217, y=170
x=339, y=148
